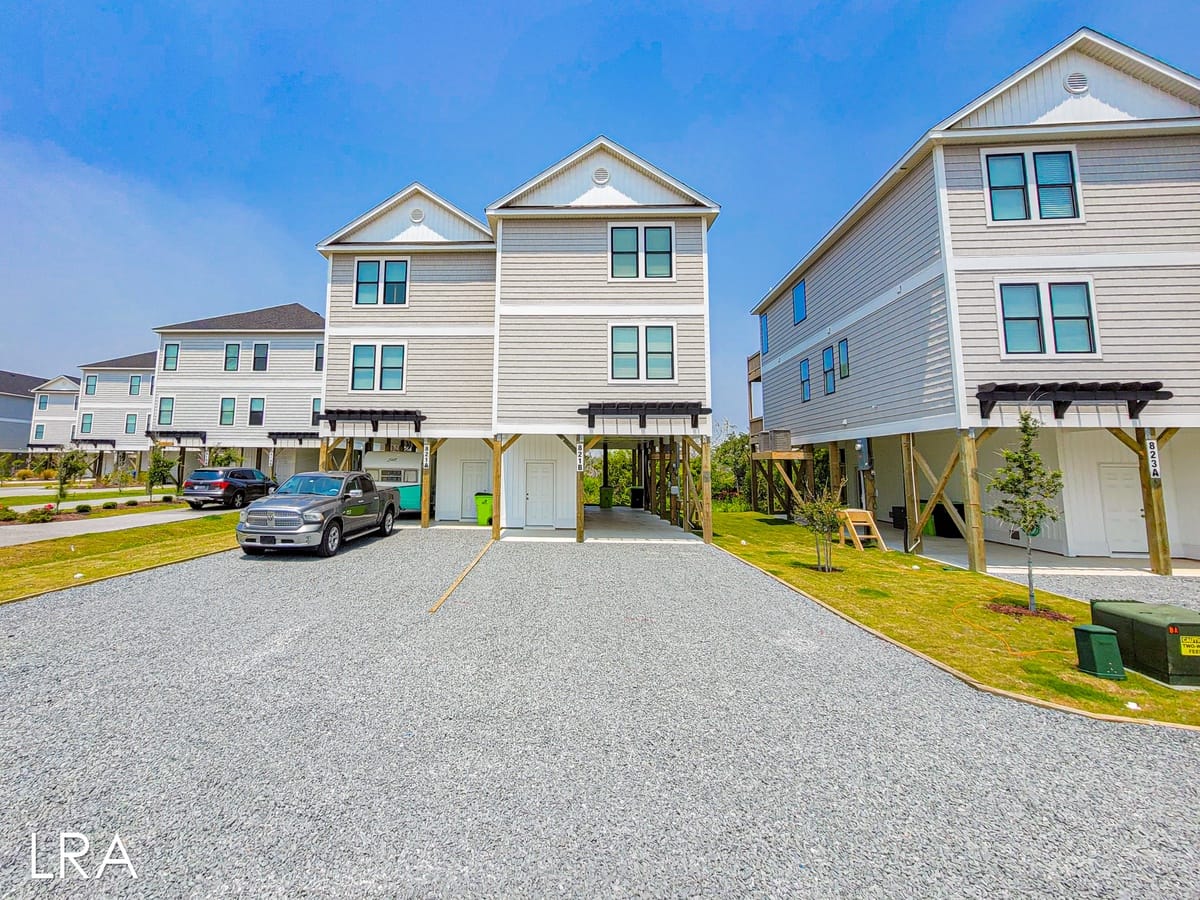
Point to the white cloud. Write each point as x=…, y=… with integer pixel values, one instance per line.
x=92, y=260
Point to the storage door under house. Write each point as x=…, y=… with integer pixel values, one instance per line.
x=476, y=478
x=539, y=494
x=1121, y=496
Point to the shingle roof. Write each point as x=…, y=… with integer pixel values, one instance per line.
x=288, y=317
x=18, y=384
x=137, y=361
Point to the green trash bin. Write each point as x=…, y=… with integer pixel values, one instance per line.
x=483, y=508
x=1098, y=652
x=606, y=497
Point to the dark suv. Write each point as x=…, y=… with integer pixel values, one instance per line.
x=232, y=487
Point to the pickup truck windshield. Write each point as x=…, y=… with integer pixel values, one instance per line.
x=319, y=485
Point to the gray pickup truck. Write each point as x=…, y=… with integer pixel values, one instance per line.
x=318, y=510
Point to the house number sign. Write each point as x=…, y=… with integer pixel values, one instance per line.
x=425, y=455
x=579, y=456
x=1152, y=458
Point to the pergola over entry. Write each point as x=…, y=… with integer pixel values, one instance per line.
x=374, y=416
x=644, y=410
x=1136, y=394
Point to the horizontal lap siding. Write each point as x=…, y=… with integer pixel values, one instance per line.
x=444, y=288
x=899, y=370
x=448, y=379
x=15, y=416
x=1148, y=321
x=284, y=409
x=58, y=418
x=898, y=238
x=113, y=387
x=1139, y=194
x=108, y=423
x=566, y=261
x=550, y=367
x=202, y=358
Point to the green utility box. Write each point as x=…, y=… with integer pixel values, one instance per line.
x=483, y=508
x=1156, y=639
x=1098, y=652
x=606, y=495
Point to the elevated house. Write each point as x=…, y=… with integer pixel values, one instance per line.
x=249, y=382
x=575, y=318
x=116, y=399
x=53, y=424
x=1038, y=249
x=16, y=410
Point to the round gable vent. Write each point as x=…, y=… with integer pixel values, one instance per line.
x=1076, y=83
x=600, y=176
x=417, y=215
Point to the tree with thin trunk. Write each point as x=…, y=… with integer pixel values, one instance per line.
x=71, y=466
x=159, y=470
x=1028, y=489
x=820, y=513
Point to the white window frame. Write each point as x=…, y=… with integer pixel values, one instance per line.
x=319, y=400
x=375, y=389
x=138, y=392
x=641, y=325
x=1043, y=283
x=177, y=347
x=158, y=407
x=233, y=421
x=238, y=344
x=93, y=382
x=91, y=420
x=1035, y=216
x=250, y=411
x=43, y=402
x=126, y=426
x=39, y=431
x=253, y=345
x=641, y=276
x=379, y=304
x=319, y=354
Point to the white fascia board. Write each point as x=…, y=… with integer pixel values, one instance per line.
x=554, y=212
x=854, y=430
x=620, y=152
x=328, y=250
x=395, y=200
x=1006, y=134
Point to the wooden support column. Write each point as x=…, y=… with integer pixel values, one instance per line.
x=497, y=456
x=912, y=496
x=180, y=467
x=835, y=465
x=604, y=464
x=675, y=482
x=1157, y=538
x=706, y=489
x=579, y=492
x=810, y=471
x=871, y=500
x=754, y=484
x=685, y=473
x=972, y=506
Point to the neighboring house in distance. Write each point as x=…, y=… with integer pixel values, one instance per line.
x=116, y=397
x=16, y=410
x=1040, y=248
x=247, y=381
x=489, y=344
x=54, y=405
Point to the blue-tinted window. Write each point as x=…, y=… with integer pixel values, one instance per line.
x=395, y=282
x=805, y=382
x=828, y=370
x=316, y=411
x=799, y=303
x=366, y=282
x=624, y=252
x=89, y=385
x=85, y=423
x=228, y=409
x=1071, y=312
x=1006, y=185
x=135, y=385
x=43, y=401
x=260, y=357
x=170, y=357
x=626, y=356
x=658, y=252
x=131, y=423
x=39, y=432
x=762, y=333
x=166, y=410
x=257, y=409
x=660, y=352
x=1055, y=173
x=232, y=355
x=843, y=358
x=391, y=368
x=1021, y=309
x=362, y=372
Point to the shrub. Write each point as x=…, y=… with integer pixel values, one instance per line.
x=83, y=508
x=38, y=515
x=7, y=515
x=48, y=474
x=131, y=503
x=23, y=474
x=111, y=504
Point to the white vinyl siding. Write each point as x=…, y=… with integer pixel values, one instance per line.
x=114, y=402
x=443, y=288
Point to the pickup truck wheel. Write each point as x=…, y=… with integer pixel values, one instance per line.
x=388, y=522
x=238, y=500
x=331, y=539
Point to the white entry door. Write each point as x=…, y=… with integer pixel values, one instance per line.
x=476, y=477
x=1121, y=494
x=539, y=495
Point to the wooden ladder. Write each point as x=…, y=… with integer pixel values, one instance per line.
x=851, y=521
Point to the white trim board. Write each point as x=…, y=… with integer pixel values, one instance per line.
x=950, y=285
x=1171, y=259
x=901, y=290
x=584, y=308
x=676, y=425
x=371, y=330
x=852, y=431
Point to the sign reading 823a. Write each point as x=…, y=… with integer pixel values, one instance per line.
x=1152, y=458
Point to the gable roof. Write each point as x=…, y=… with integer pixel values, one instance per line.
x=59, y=383
x=288, y=317
x=14, y=384
x=1108, y=50
x=416, y=231
x=687, y=196
x=137, y=361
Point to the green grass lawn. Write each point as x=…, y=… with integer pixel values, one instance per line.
x=51, y=565
x=81, y=496
x=942, y=612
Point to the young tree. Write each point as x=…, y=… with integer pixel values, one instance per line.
x=224, y=456
x=7, y=464
x=731, y=465
x=1027, y=487
x=121, y=476
x=159, y=471
x=820, y=513
x=72, y=464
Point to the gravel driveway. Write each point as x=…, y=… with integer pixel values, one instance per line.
x=577, y=719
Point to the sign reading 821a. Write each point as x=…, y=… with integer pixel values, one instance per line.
x=1152, y=458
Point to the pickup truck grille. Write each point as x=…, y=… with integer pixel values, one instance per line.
x=269, y=519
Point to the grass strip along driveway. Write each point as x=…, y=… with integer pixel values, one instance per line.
x=95, y=497
x=943, y=612
x=51, y=565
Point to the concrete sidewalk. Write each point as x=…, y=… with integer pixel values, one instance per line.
x=12, y=535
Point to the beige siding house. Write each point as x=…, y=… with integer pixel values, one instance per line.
x=116, y=397
x=1039, y=249
x=500, y=353
x=250, y=382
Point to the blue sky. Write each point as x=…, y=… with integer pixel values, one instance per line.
x=164, y=162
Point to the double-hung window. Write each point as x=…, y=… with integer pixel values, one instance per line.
x=366, y=282
x=362, y=367
x=89, y=385
x=232, y=356
x=843, y=352
x=641, y=252
x=43, y=401
x=260, y=357
x=131, y=423
x=805, y=382
x=257, y=406
x=228, y=410
x=395, y=282
x=135, y=385
x=377, y=367
x=170, y=358
x=1026, y=308
x=319, y=358
x=828, y=370
x=39, y=432
x=1032, y=185
x=85, y=423
x=391, y=367
x=381, y=281
x=166, y=410
x=799, y=303
x=641, y=352
x=316, y=411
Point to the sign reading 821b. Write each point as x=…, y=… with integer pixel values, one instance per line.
x=1152, y=458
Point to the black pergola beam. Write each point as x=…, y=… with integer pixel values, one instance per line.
x=1136, y=394
x=374, y=416
x=98, y=441
x=665, y=409
x=301, y=436
x=178, y=435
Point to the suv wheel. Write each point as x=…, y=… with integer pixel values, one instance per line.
x=331, y=539
x=388, y=522
x=238, y=500
x=195, y=505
